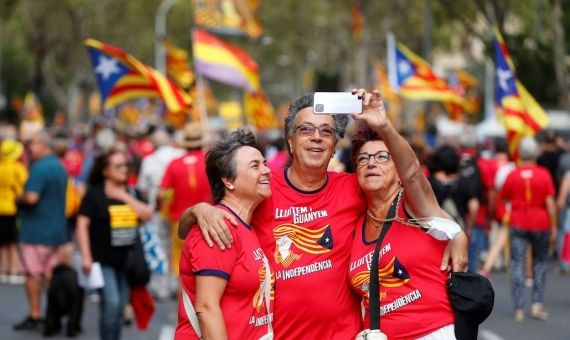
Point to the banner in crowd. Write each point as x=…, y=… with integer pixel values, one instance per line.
x=414, y=78
x=357, y=23
x=231, y=112
x=32, y=109
x=122, y=77
x=235, y=17
x=259, y=110
x=221, y=61
x=521, y=115
x=177, y=65
x=466, y=86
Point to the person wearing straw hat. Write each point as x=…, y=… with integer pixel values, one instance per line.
x=14, y=176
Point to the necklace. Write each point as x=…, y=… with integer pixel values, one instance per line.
x=379, y=222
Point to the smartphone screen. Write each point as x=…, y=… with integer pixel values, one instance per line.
x=335, y=103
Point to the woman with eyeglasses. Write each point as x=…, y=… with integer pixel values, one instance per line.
x=106, y=230
x=412, y=293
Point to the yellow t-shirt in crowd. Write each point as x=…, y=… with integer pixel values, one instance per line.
x=12, y=179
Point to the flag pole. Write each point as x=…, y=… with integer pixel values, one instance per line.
x=160, y=34
x=202, y=102
x=391, y=61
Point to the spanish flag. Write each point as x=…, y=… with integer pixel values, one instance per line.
x=121, y=77
x=521, y=115
x=414, y=78
x=221, y=61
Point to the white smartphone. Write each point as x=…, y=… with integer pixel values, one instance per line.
x=335, y=103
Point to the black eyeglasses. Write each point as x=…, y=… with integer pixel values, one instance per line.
x=308, y=129
x=381, y=157
x=119, y=166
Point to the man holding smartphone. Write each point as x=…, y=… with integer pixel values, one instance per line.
x=308, y=226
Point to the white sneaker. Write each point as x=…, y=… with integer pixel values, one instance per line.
x=4, y=278
x=538, y=312
x=94, y=297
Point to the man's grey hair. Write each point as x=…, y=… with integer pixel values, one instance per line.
x=45, y=138
x=340, y=121
x=160, y=137
x=528, y=149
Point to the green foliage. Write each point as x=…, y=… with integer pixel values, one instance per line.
x=42, y=49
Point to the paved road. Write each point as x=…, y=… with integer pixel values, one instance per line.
x=499, y=325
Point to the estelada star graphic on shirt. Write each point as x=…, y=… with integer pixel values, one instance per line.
x=393, y=274
x=312, y=241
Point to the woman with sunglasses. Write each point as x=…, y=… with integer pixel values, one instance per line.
x=106, y=230
x=412, y=293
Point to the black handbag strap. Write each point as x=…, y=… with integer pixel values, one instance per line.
x=374, y=287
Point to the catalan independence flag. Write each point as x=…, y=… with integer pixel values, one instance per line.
x=121, y=77
x=519, y=112
x=221, y=61
x=415, y=79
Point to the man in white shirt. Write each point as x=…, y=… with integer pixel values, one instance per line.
x=152, y=169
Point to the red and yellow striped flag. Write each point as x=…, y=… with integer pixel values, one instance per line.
x=516, y=108
x=177, y=65
x=121, y=77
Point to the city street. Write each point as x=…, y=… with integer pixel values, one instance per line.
x=500, y=324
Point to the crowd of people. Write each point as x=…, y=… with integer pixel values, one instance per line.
x=279, y=238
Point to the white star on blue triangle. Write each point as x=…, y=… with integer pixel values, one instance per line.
x=108, y=71
x=505, y=81
x=404, y=67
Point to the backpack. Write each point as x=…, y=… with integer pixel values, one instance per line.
x=448, y=204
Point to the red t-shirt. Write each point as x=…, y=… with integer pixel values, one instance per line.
x=72, y=161
x=487, y=171
x=187, y=177
x=243, y=304
x=308, y=236
x=413, y=294
x=526, y=188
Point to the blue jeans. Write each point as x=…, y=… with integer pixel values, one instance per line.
x=114, y=297
x=519, y=241
x=564, y=228
x=477, y=244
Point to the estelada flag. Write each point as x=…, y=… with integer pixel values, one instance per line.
x=121, y=77
x=465, y=85
x=177, y=65
x=415, y=79
x=219, y=60
x=521, y=115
